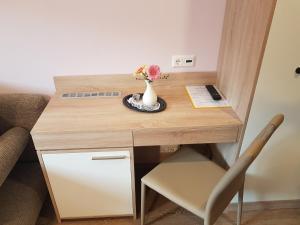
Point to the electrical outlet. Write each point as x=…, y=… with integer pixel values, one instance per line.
x=183, y=60
x=297, y=72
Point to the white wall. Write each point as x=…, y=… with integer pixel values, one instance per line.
x=40, y=39
x=275, y=174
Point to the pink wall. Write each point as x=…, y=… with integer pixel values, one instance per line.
x=40, y=39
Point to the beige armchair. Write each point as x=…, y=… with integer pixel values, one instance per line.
x=22, y=188
x=199, y=185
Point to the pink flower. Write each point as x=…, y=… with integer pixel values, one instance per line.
x=153, y=72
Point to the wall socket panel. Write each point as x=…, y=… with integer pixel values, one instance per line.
x=297, y=72
x=183, y=60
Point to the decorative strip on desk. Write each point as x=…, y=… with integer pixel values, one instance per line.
x=91, y=94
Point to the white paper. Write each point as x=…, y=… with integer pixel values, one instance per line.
x=201, y=98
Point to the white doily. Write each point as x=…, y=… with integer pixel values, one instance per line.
x=137, y=102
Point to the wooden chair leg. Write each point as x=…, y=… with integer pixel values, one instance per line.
x=240, y=205
x=143, y=203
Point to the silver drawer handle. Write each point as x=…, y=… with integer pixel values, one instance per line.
x=108, y=157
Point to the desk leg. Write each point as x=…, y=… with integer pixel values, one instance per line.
x=39, y=154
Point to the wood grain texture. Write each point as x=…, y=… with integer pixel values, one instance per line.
x=246, y=28
x=123, y=81
x=82, y=140
x=185, y=136
x=245, y=32
x=105, y=122
x=266, y=205
x=86, y=124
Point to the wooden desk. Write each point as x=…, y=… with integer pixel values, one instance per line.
x=105, y=122
x=72, y=125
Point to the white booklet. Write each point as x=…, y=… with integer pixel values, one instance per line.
x=201, y=98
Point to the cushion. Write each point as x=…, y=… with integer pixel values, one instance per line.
x=12, y=144
x=22, y=195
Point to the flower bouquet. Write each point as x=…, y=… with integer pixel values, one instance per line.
x=149, y=74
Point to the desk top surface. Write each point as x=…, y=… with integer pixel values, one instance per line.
x=109, y=114
x=101, y=114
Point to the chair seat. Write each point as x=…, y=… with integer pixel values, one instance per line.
x=187, y=178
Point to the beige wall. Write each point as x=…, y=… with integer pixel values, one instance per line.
x=276, y=173
x=40, y=39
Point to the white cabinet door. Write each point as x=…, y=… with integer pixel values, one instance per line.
x=90, y=184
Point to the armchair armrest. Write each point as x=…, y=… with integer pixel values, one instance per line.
x=12, y=144
x=20, y=110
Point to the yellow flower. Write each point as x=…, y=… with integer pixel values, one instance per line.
x=140, y=73
x=141, y=69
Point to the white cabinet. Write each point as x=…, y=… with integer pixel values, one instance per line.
x=90, y=184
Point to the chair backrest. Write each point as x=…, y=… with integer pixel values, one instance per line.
x=233, y=180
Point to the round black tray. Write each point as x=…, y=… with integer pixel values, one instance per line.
x=162, y=107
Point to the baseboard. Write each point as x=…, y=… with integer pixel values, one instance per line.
x=266, y=205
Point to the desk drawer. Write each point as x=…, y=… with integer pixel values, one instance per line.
x=108, y=139
x=148, y=137
x=90, y=184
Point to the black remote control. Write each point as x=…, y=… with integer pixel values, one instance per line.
x=213, y=92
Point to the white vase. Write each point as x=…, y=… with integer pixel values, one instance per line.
x=149, y=97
